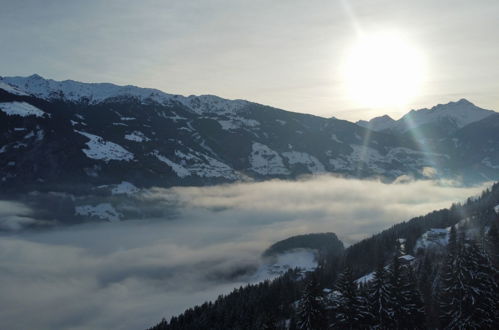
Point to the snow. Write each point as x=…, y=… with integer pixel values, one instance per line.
x=40, y=134
x=203, y=165
x=212, y=104
x=369, y=277
x=191, y=162
x=22, y=109
x=266, y=161
x=372, y=159
x=124, y=188
x=29, y=135
x=3, y=149
x=496, y=209
x=137, y=137
x=461, y=113
x=312, y=163
x=103, y=211
x=228, y=125
x=365, y=279
x=236, y=122
x=127, y=118
x=181, y=171
x=435, y=237
x=407, y=257
x=339, y=164
x=18, y=145
x=93, y=93
x=303, y=259
x=11, y=89
x=100, y=149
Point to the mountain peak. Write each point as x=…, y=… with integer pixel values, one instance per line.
x=378, y=123
x=36, y=76
x=464, y=101
x=461, y=113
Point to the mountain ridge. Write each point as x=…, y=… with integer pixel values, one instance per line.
x=461, y=113
x=54, y=145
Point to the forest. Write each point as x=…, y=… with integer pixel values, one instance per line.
x=406, y=286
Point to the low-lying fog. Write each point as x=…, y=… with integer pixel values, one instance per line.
x=129, y=275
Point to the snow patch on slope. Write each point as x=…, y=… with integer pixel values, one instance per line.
x=237, y=122
x=103, y=211
x=191, y=162
x=124, y=188
x=312, y=163
x=100, y=149
x=10, y=89
x=266, y=161
x=137, y=136
x=181, y=171
x=435, y=237
x=22, y=109
x=203, y=165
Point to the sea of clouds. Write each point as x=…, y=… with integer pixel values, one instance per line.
x=129, y=275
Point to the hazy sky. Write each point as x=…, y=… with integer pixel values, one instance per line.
x=282, y=53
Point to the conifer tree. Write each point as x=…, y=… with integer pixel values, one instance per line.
x=311, y=312
x=379, y=298
x=348, y=310
x=413, y=316
x=467, y=298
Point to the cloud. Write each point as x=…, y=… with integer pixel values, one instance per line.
x=14, y=216
x=129, y=275
x=429, y=172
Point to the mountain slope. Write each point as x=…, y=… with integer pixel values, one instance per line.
x=111, y=133
x=83, y=139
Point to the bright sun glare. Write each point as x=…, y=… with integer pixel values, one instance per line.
x=383, y=70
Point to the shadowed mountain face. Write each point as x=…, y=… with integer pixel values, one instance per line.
x=72, y=137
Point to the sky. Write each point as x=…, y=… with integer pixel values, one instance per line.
x=130, y=274
x=284, y=53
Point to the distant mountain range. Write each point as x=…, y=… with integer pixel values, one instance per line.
x=82, y=135
x=453, y=115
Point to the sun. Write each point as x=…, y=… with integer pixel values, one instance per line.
x=383, y=70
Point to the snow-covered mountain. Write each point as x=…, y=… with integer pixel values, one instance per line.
x=457, y=114
x=73, y=137
x=94, y=93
